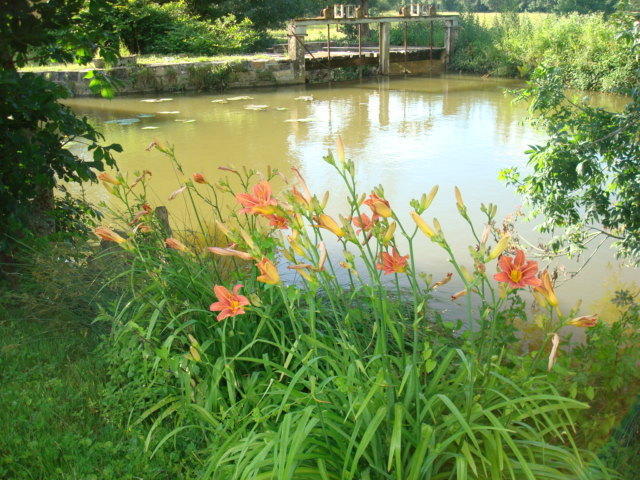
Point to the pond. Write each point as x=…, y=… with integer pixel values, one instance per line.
x=406, y=134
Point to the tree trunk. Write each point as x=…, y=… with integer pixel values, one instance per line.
x=364, y=4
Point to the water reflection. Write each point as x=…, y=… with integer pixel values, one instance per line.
x=407, y=134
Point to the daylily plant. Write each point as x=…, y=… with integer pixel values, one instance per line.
x=371, y=235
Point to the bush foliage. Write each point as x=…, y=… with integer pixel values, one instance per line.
x=587, y=48
x=170, y=28
x=36, y=130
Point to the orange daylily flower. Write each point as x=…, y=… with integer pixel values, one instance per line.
x=378, y=205
x=108, y=235
x=427, y=198
x=340, y=150
x=584, y=321
x=363, y=223
x=260, y=202
x=325, y=221
x=295, y=245
x=146, y=210
x=322, y=257
x=500, y=247
x=105, y=177
x=388, y=234
x=446, y=279
x=392, y=263
x=177, y=192
x=553, y=354
x=199, y=178
x=175, y=244
x=268, y=272
x=422, y=225
x=546, y=290
x=461, y=293
x=302, y=270
x=140, y=178
x=517, y=271
x=304, y=196
x=229, y=304
x=277, y=221
x=459, y=201
x=230, y=252
x=143, y=228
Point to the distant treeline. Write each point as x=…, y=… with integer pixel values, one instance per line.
x=508, y=44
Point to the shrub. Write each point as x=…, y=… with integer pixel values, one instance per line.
x=35, y=128
x=170, y=29
x=586, y=46
x=604, y=372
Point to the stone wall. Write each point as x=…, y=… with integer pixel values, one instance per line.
x=187, y=76
x=210, y=76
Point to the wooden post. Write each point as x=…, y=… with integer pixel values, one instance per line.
x=431, y=43
x=329, y=46
x=162, y=215
x=450, y=32
x=406, y=46
x=384, y=48
x=360, y=67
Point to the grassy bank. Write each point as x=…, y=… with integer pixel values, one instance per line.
x=50, y=407
x=585, y=47
x=52, y=421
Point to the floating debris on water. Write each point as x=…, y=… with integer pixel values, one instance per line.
x=305, y=98
x=156, y=100
x=241, y=97
x=256, y=107
x=298, y=120
x=149, y=128
x=169, y=112
x=281, y=108
x=145, y=115
x=124, y=121
x=191, y=120
x=220, y=100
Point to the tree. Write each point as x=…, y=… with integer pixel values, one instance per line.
x=262, y=13
x=35, y=128
x=586, y=178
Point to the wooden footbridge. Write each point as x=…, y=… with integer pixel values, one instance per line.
x=389, y=59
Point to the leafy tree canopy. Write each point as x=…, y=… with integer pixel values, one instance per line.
x=35, y=129
x=586, y=178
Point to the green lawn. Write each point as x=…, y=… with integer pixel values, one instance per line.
x=149, y=60
x=50, y=421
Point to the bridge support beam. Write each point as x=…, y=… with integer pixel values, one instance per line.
x=295, y=47
x=384, y=36
x=450, y=35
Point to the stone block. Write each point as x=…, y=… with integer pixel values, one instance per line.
x=259, y=64
x=284, y=76
x=246, y=77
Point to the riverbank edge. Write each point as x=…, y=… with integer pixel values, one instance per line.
x=222, y=75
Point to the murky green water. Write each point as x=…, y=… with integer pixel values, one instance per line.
x=407, y=134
